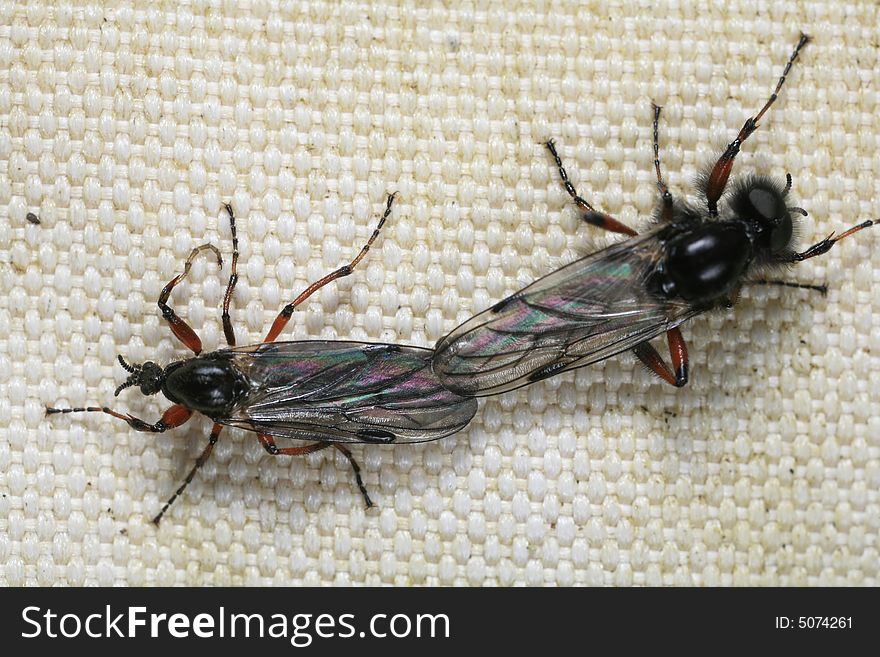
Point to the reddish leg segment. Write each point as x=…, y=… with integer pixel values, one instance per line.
x=269, y=445
x=284, y=316
x=678, y=375
x=717, y=179
x=591, y=215
x=179, y=327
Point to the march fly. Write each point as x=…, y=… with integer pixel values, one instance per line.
x=324, y=393
x=694, y=257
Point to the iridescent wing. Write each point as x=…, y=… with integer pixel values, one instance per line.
x=580, y=314
x=345, y=392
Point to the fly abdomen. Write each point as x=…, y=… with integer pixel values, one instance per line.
x=208, y=384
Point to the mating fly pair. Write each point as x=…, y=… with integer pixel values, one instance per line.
x=695, y=257
x=324, y=393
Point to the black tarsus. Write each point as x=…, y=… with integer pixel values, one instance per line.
x=821, y=289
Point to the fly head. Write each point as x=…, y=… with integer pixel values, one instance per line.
x=149, y=377
x=760, y=203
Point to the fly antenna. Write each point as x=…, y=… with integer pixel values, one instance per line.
x=129, y=382
x=133, y=377
x=126, y=366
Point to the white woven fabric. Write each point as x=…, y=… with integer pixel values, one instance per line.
x=125, y=128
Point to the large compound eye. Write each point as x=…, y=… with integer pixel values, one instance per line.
x=760, y=202
x=768, y=205
x=780, y=234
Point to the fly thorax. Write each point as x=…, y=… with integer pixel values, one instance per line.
x=210, y=384
x=706, y=263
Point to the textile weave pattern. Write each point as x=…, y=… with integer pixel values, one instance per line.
x=125, y=128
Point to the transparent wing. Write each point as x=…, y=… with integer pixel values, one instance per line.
x=345, y=392
x=580, y=314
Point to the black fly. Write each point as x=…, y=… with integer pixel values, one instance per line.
x=327, y=393
x=693, y=259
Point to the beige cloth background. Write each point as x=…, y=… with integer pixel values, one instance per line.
x=125, y=127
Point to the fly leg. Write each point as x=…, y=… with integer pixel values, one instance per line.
x=821, y=289
x=200, y=461
x=717, y=179
x=233, y=279
x=284, y=316
x=819, y=248
x=825, y=245
x=357, y=473
x=179, y=327
x=733, y=297
x=173, y=417
x=661, y=185
x=269, y=445
x=591, y=215
x=676, y=376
